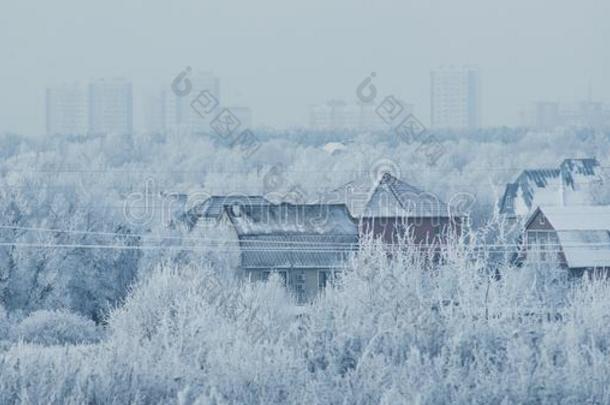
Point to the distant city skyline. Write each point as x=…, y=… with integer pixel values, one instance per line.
x=280, y=62
x=340, y=115
x=553, y=114
x=99, y=107
x=155, y=108
x=105, y=106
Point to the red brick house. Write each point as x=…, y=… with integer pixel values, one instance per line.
x=392, y=209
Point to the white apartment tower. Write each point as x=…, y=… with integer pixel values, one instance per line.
x=455, y=98
x=110, y=106
x=66, y=109
x=193, y=112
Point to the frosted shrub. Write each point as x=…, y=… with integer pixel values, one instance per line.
x=391, y=329
x=56, y=328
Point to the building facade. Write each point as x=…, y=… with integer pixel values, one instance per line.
x=455, y=98
x=192, y=113
x=394, y=211
x=306, y=245
x=110, y=106
x=67, y=110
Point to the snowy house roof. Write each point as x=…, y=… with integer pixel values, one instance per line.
x=293, y=236
x=583, y=232
x=573, y=170
x=585, y=248
x=576, y=218
x=212, y=208
x=390, y=197
x=545, y=185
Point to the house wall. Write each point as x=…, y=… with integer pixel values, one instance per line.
x=542, y=243
x=539, y=222
x=592, y=273
x=423, y=230
x=303, y=283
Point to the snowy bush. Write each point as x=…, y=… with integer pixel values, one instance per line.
x=393, y=329
x=56, y=328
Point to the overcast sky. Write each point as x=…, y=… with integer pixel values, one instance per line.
x=280, y=56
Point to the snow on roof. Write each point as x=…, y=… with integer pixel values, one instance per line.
x=285, y=218
x=585, y=248
x=395, y=198
x=544, y=185
x=578, y=218
x=212, y=208
x=390, y=197
x=294, y=235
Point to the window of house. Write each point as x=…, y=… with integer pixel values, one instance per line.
x=543, y=246
x=326, y=277
x=322, y=279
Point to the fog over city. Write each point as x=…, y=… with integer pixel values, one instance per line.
x=281, y=57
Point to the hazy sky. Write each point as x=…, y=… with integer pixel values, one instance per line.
x=279, y=56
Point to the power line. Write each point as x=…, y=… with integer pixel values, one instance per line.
x=363, y=172
x=282, y=245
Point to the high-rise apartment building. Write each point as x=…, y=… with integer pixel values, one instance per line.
x=193, y=111
x=67, y=109
x=455, y=98
x=110, y=106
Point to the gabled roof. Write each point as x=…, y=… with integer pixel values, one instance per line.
x=531, y=182
x=390, y=197
x=583, y=233
x=293, y=236
x=572, y=169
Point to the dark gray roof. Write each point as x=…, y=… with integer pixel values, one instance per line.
x=530, y=181
x=389, y=197
x=289, y=235
x=395, y=198
x=571, y=168
x=212, y=208
x=507, y=202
